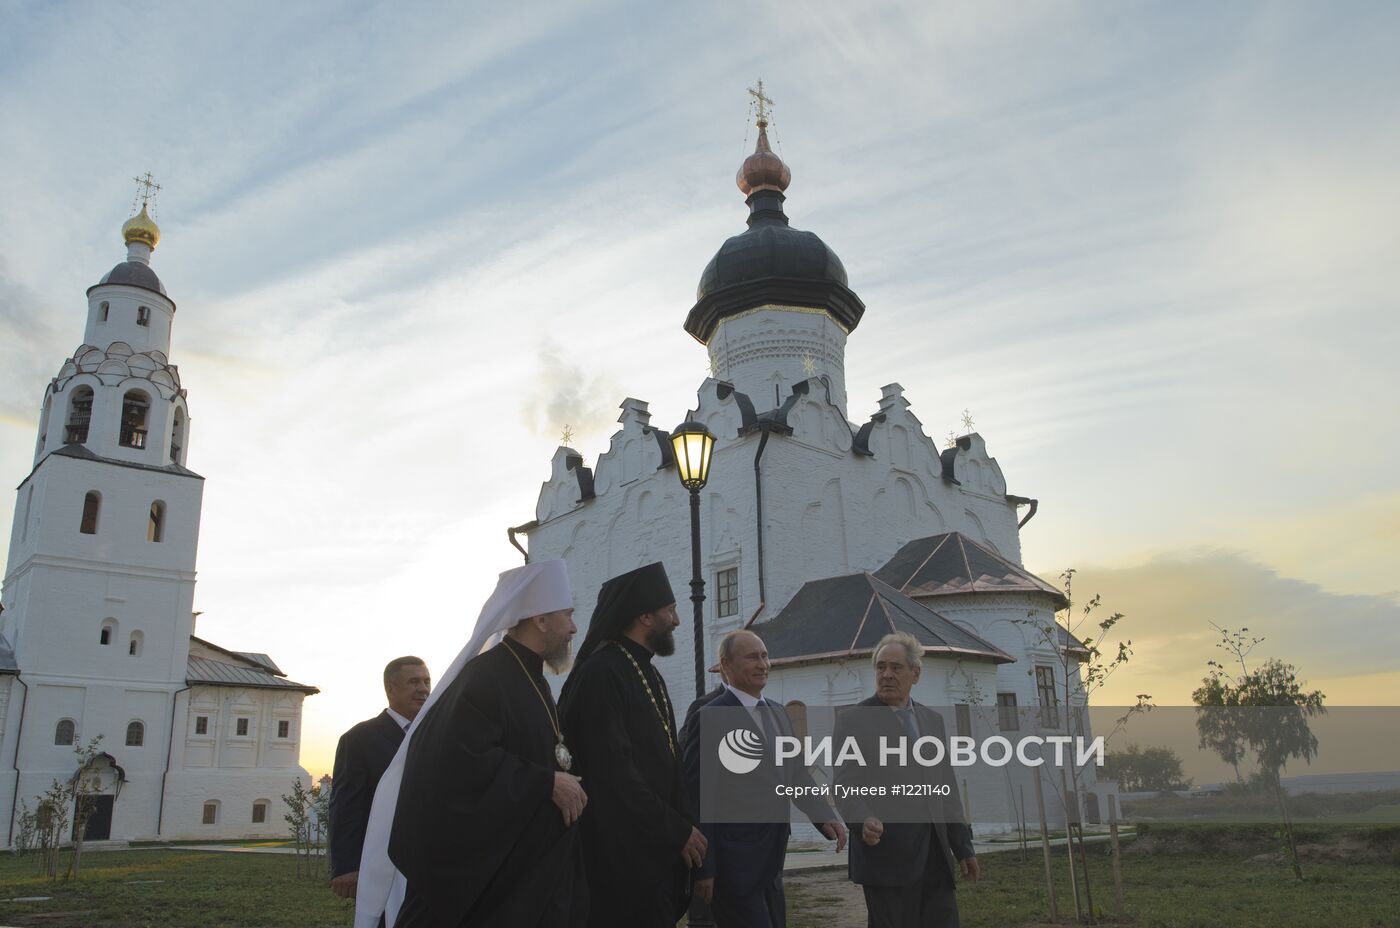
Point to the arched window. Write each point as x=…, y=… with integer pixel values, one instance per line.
x=260, y=811
x=135, y=735
x=102, y=315
x=177, y=436
x=155, y=527
x=143, y=315
x=109, y=631
x=211, y=812
x=92, y=506
x=135, y=406
x=75, y=432
x=134, y=646
x=65, y=732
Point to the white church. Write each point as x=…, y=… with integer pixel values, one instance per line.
x=97, y=635
x=822, y=533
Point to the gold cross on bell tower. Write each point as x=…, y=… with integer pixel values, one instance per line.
x=762, y=101
x=146, y=190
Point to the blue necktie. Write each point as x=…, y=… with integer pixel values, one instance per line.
x=765, y=719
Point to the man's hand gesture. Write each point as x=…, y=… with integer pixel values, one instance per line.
x=871, y=831
x=694, y=851
x=835, y=830
x=569, y=796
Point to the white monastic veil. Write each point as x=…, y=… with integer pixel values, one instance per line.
x=520, y=593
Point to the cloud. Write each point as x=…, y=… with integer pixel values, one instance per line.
x=566, y=394
x=1170, y=601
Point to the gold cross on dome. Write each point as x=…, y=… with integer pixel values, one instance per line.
x=146, y=190
x=567, y=437
x=763, y=102
x=967, y=420
x=809, y=367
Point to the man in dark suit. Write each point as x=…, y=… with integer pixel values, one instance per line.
x=906, y=868
x=360, y=760
x=742, y=874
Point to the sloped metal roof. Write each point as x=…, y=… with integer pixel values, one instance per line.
x=952, y=564
x=847, y=616
x=258, y=657
x=218, y=673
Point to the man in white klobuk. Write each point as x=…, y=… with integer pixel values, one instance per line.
x=474, y=822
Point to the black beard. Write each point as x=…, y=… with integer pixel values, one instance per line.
x=662, y=642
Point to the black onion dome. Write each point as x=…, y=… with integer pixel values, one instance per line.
x=771, y=263
x=134, y=274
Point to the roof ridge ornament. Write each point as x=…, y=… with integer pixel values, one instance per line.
x=763, y=170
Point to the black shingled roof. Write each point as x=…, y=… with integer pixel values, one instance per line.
x=847, y=616
x=952, y=564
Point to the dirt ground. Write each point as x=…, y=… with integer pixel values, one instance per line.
x=824, y=897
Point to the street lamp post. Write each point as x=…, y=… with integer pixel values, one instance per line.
x=693, y=445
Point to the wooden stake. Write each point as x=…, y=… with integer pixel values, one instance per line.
x=1117, y=859
x=1045, y=847
x=1069, y=843
x=1021, y=817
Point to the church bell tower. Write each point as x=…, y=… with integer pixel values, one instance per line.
x=99, y=587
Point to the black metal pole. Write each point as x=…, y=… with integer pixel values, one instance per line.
x=697, y=593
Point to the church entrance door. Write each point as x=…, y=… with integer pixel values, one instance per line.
x=99, y=822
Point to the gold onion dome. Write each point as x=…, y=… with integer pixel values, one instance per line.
x=141, y=228
x=763, y=170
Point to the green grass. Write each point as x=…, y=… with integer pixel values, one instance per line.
x=1196, y=876
x=1180, y=888
x=199, y=889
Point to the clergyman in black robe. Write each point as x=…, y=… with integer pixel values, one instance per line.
x=640, y=844
x=485, y=829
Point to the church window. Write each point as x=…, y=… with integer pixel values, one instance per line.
x=727, y=592
x=177, y=436
x=75, y=432
x=1049, y=698
x=133, y=647
x=103, y=316
x=135, y=406
x=284, y=728
x=963, y=713
x=242, y=727
x=1007, y=718
x=108, y=633
x=28, y=504
x=260, y=812
x=155, y=526
x=201, y=724
x=92, y=505
x=135, y=735
x=64, y=732
x=143, y=315
x=211, y=812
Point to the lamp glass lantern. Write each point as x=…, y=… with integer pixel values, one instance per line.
x=693, y=445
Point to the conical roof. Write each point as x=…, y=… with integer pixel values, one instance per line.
x=847, y=616
x=953, y=564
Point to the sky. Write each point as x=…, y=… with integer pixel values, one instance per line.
x=1150, y=247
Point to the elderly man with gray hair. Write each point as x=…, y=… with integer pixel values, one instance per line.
x=908, y=869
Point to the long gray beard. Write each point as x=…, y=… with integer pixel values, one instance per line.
x=560, y=660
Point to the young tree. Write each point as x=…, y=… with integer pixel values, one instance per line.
x=1264, y=711
x=1085, y=662
x=83, y=789
x=298, y=818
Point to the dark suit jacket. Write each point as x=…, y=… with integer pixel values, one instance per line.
x=361, y=757
x=745, y=857
x=900, y=857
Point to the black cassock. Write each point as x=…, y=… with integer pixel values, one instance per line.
x=634, y=827
x=476, y=832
